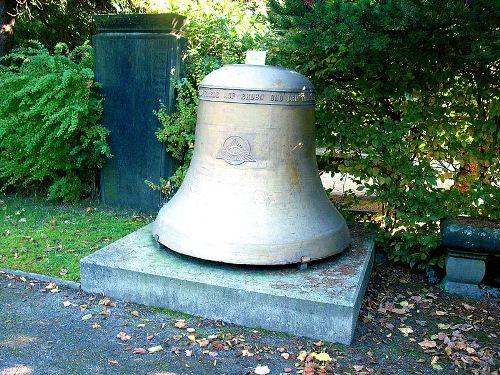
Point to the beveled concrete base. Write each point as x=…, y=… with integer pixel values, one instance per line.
x=320, y=302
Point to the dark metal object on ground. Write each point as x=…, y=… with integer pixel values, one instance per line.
x=252, y=194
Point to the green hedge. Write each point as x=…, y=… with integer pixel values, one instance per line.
x=50, y=138
x=407, y=99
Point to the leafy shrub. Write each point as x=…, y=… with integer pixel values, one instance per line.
x=219, y=32
x=70, y=21
x=406, y=101
x=50, y=137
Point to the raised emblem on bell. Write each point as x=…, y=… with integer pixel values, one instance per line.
x=252, y=193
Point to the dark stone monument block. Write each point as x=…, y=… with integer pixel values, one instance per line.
x=138, y=59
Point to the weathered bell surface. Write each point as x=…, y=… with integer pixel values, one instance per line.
x=252, y=194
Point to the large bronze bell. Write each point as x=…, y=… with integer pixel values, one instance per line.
x=252, y=194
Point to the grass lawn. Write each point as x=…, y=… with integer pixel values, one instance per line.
x=50, y=238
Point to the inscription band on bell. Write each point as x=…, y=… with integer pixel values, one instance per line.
x=300, y=98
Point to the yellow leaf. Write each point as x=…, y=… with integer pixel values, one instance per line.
x=406, y=331
x=324, y=357
x=154, y=349
x=192, y=338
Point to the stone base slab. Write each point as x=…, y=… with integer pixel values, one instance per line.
x=320, y=302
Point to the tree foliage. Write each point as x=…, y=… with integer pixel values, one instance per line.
x=68, y=21
x=406, y=102
x=50, y=137
x=219, y=32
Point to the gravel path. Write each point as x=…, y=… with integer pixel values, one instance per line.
x=49, y=329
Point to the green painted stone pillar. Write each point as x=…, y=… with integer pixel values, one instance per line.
x=137, y=59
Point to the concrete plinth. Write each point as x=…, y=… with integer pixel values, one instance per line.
x=320, y=302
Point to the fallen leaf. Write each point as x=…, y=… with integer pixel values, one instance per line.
x=175, y=349
x=96, y=325
x=246, y=353
x=190, y=330
x=204, y=343
x=191, y=338
x=399, y=311
x=441, y=313
x=189, y=353
x=443, y=326
x=139, y=351
x=106, y=301
x=318, y=343
x=261, y=370
x=285, y=355
x=323, y=357
x=468, y=307
x=448, y=351
x=112, y=361
x=66, y=304
x=302, y=356
x=86, y=316
x=123, y=336
x=150, y=337
x=136, y=313
x=434, y=360
x=358, y=368
x=180, y=324
x=426, y=344
x=406, y=331
x=155, y=349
